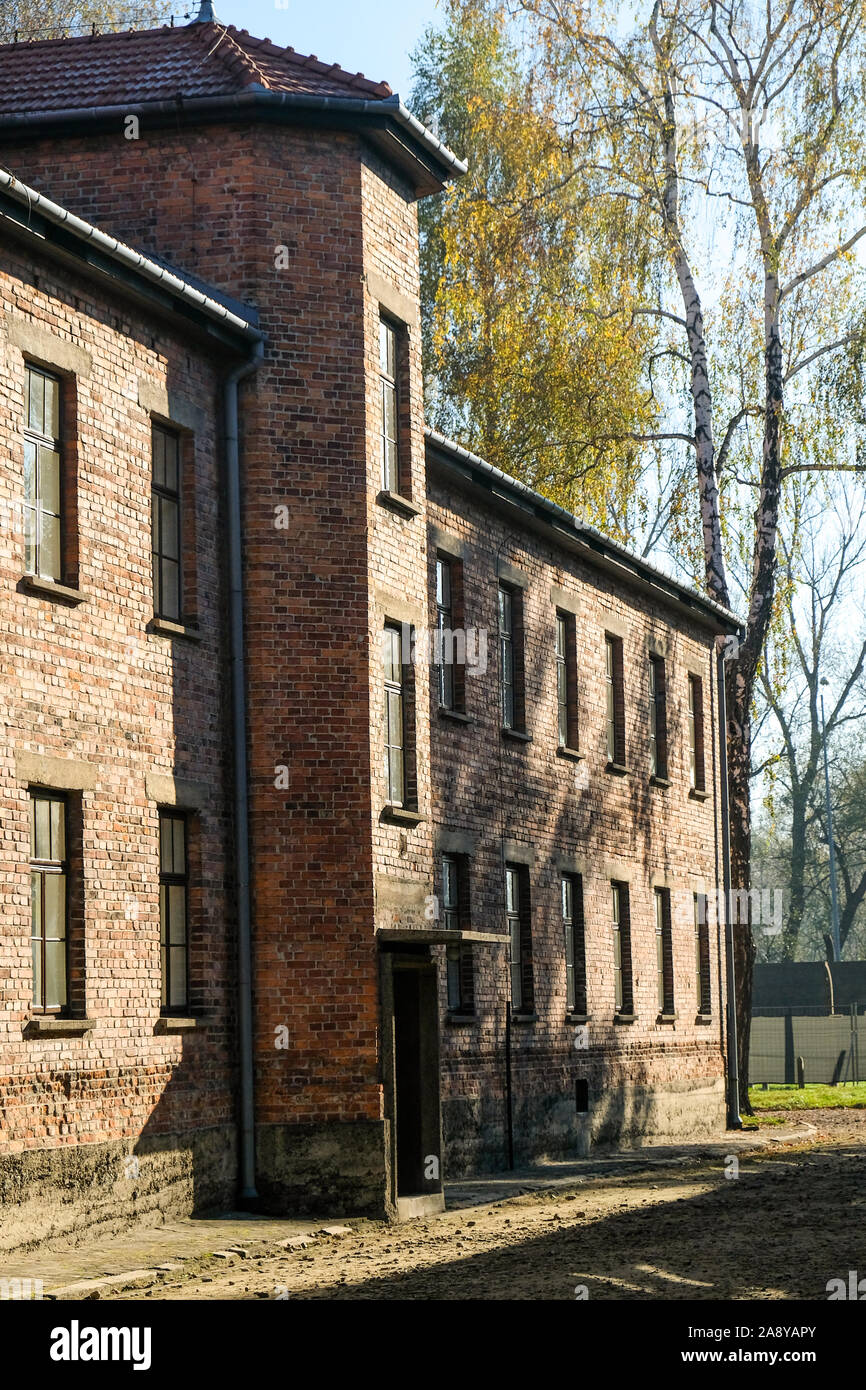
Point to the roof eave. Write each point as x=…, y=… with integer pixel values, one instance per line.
x=540, y=514
x=38, y=222
x=393, y=129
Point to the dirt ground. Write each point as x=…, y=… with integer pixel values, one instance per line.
x=790, y=1220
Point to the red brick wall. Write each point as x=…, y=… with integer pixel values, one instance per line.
x=91, y=684
x=221, y=202
x=619, y=826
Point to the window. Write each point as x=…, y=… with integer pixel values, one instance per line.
x=658, y=718
x=519, y=921
x=173, y=917
x=623, y=998
x=444, y=629
x=455, y=913
x=566, y=681
x=575, y=947
x=702, y=954
x=395, y=772
x=615, y=701
x=696, y=734
x=664, y=951
x=165, y=525
x=388, y=369
x=48, y=901
x=43, y=482
x=511, y=657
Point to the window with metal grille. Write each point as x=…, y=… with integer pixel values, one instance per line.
x=615, y=700
x=49, y=877
x=388, y=378
x=173, y=910
x=166, y=525
x=702, y=955
x=623, y=993
x=697, y=773
x=664, y=951
x=571, y=888
x=519, y=920
x=658, y=733
x=395, y=769
x=43, y=475
x=511, y=657
x=566, y=681
x=455, y=913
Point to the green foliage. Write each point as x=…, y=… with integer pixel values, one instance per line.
x=531, y=353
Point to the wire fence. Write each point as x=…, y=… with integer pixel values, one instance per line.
x=806, y=1042
x=138, y=18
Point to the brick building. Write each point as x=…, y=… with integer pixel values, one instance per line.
x=291, y=906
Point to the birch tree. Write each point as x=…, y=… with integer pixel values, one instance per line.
x=819, y=635
x=746, y=117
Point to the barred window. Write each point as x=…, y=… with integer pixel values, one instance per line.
x=173, y=914
x=566, y=681
x=506, y=655
x=615, y=700
x=664, y=951
x=166, y=525
x=658, y=718
x=702, y=955
x=571, y=888
x=623, y=993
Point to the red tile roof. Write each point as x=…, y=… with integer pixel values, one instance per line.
x=197, y=60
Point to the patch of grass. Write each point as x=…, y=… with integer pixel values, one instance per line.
x=810, y=1098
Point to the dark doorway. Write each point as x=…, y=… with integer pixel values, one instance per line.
x=416, y=1080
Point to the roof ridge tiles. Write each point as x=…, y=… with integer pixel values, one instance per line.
x=236, y=61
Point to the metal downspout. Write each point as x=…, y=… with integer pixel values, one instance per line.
x=247, y=1143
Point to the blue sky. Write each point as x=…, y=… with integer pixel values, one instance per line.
x=370, y=36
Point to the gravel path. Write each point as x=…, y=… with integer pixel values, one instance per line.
x=790, y=1220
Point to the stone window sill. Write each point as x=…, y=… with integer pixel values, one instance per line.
x=624, y=1018
x=667, y=1018
x=657, y=781
x=524, y=1018
x=577, y=1018
x=398, y=815
x=176, y=1023
x=704, y=1019
x=570, y=753
x=396, y=503
x=696, y=794
x=618, y=769
x=519, y=735
x=457, y=715
x=50, y=1026
x=50, y=588
x=165, y=628
x=460, y=1018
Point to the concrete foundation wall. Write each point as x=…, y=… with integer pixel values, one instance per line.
x=77, y=1192
x=335, y=1169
